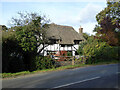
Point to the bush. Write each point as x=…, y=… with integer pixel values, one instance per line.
x=16, y=65
x=44, y=63
x=80, y=49
x=98, y=51
x=11, y=61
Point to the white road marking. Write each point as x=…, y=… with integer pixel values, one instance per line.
x=76, y=82
x=118, y=72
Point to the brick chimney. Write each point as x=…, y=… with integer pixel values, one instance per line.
x=80, y=30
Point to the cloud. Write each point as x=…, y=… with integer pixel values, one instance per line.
x=67, y=20
x=69, y=14
x=65, y=17
x=88, y=14
x=89, y=27
x=84, y=17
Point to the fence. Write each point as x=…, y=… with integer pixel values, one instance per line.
x=70, y=61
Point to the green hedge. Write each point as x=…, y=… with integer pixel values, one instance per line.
x=98, y=51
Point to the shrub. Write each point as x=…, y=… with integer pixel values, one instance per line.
x=98, y=51
x=80, y=49
x=11, y=61
x=16, y=65
x=44, y=62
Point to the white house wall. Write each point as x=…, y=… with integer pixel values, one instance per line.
x=57, y=47
x=76, y=46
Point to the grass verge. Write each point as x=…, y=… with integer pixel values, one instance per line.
x=13, y=75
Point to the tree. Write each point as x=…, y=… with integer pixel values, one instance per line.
x=86, y=35
x=31, y=24
x=30, y=34
x=82, y=44
x=108, y=27
x=11, y=53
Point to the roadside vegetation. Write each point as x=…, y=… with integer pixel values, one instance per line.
x=23, y=73
x=105, y=45
x=20, y=43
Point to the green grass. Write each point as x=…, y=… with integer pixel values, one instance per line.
x=13, y=75
x=107, y=62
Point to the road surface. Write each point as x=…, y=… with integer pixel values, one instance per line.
x=100, y=76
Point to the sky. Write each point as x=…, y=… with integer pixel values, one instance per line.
x=73, y=13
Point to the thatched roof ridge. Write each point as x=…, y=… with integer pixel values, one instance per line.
x=67, y=34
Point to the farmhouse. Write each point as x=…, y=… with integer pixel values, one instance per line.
x=64, y=40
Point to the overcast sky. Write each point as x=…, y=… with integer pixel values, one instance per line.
x=71, y=13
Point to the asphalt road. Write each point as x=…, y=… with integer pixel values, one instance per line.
x=101, y=76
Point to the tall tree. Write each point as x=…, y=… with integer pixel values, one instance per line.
x=86, y=35
x=30, y=34
x=108, y=27
x=30, y=28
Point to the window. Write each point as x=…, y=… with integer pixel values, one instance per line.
x=62, y=45
x=76, y=42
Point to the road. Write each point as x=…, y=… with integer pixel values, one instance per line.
x=100, y=76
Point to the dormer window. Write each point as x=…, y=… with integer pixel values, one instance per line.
x=77, y=41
